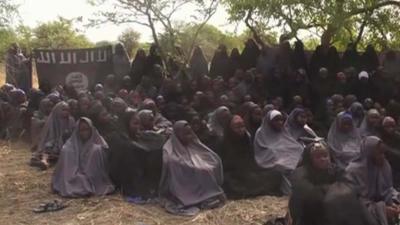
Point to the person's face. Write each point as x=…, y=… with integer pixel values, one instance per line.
x=346, y=126
x=104, y=117
x=378, y=155
x=301, y=119
x=257, y=115
x=186, y=135
x=232, y=83
x=48, y=106
x=320, y=159
x=238, y=127
x=277, y=123
x=389, y=128
x=134, y=125
x=85, y=132
x=148, y=122
x=196, y=124
x=84, y=104
x=323, y=74
x=65, y=112
x=374, y=120
x=224, y=116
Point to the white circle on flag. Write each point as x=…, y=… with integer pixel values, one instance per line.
x=77, y=80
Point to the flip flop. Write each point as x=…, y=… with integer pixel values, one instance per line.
x=54, y=206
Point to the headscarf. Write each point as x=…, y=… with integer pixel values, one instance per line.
x=374, y=183
x=273, y=149
x=294, y=129
x=214, y=125
x=81, y=168
x=345, y=146
x=54, y=130
x=198, y=63
x=365, y=129
x=191, y=174
x=355, y=107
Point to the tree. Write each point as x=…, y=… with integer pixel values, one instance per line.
x=8, y=11
x=130, y=38
x=329, y=20
x=7, y=37
x=58, y=34
x=153, y=14
x=208, y=39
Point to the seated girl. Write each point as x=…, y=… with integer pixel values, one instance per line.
x=344, y=140
x=296, y=125
x=242, y=176
x=310, y=184
x=192, y=174
x=81, y=168
x=56, y=131
x=276, y=149
x=371, y=175
x=38, y=121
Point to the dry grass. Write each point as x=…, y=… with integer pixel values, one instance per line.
x=22, y=188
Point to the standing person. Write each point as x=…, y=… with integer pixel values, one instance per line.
x=371, y=175
x=82, y=167
x=192, y=174
x=121, y=62
x=220, y=63
x=17, y=68
x=198, y=64
x=138, y=67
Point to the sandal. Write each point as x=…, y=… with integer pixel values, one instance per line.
x=54, y=206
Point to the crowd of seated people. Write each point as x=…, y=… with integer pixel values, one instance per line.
x=269, y=121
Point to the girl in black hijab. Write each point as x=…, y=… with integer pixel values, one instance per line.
x=198, y=64
x=250, y=55
x=299, y=60
x=235, y=63
x=370, y=59
x=138, y=67
x=220, y=63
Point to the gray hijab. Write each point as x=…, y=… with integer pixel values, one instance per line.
x=214, y=125
x=345, y=146
x=191, y=174
x=278, y=150
x=353, y=109
x=365, y=129
x=51, y=140
x=81, y=168
x=373, y=183
x=294, y=129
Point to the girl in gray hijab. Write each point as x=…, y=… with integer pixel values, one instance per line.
x=371, y=175
x=357, y=112
x=276, y=149
x=217, y=119
x=38, y=121
x=371, y=124
x=192, y=174
x=57, y=129
x=296, y=125
x=81, y=169
x=344, y=140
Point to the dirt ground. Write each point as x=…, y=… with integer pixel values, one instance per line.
x=23, y=188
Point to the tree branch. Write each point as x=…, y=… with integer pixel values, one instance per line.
x=374, y=7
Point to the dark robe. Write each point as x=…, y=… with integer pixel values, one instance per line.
x=369, y=59
x=243, y=178
x=234, y=63
x=220, y=63
x=198, y=64
x=135, y=164
x=299, y=59
x=250, y=55
x=138, y=67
